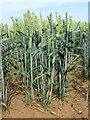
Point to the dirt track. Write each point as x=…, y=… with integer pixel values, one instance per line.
x=74, y=106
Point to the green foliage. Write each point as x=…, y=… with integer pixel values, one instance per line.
x=43, y=52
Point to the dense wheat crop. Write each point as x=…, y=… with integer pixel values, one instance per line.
x=41, y=52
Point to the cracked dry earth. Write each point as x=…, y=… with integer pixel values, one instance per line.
x=73, y=106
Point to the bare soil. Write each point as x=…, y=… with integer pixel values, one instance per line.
x=73, y=106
